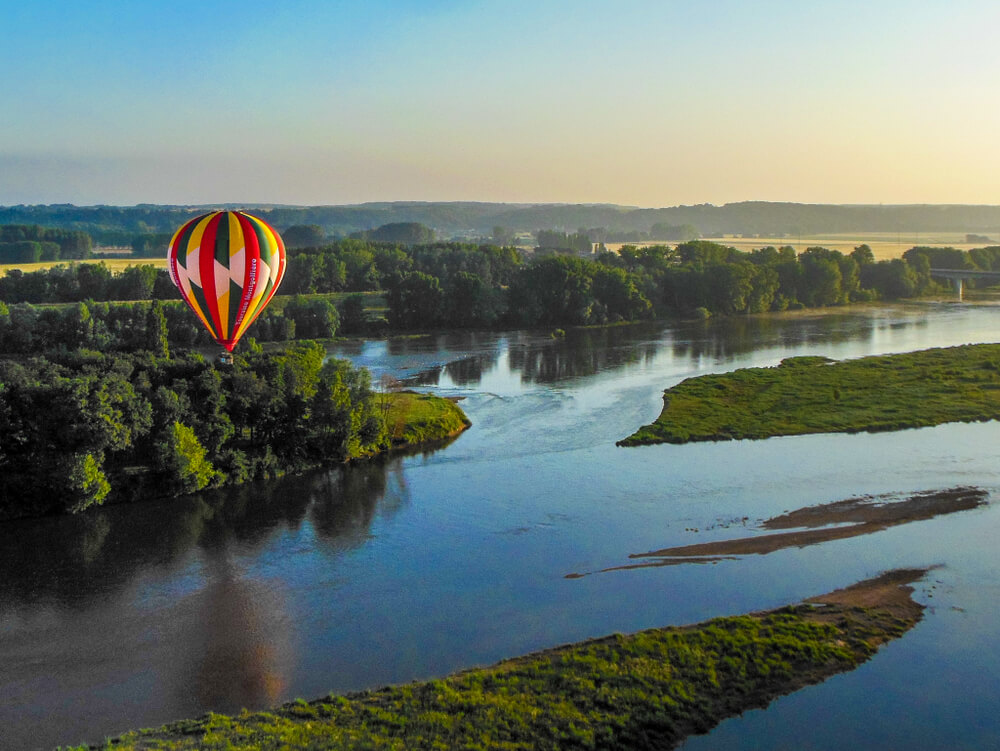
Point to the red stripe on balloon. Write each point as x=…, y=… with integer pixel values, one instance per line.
x=251, y=269
x=206, y=263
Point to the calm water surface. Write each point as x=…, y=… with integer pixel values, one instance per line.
x=414, y=567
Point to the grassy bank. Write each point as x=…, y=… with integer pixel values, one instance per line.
x=817, y=395
x=644, y=691
x=414, y=419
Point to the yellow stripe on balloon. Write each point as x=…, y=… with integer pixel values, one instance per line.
x=192, y=260
x=263, y=274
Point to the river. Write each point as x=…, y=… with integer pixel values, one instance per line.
x=416, y=566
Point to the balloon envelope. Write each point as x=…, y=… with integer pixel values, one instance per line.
x=227, y=265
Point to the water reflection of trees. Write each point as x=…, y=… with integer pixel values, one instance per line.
x=468, y=371
x=345, y=503
x=726, y=339
x=73, y=560
x=583, y=352
x=537, y=359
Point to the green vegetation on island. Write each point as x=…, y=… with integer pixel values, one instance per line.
x=819, y=395
x=648, y=690
x=414, y=419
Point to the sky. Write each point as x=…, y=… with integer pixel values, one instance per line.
x=635, y=102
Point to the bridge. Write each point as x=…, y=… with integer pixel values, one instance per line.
x=957, y=277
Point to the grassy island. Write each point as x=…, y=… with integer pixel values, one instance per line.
x=819, y=395
x=643, y=691
x=417, y=419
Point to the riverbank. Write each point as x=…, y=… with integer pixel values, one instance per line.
x=642, y=691
x=818, y=395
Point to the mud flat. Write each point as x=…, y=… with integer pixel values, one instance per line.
x=812, y=526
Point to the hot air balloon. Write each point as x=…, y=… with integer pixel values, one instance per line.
x=227, y=265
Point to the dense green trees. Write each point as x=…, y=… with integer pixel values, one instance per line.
x=83, y=426
x=303, y=236
x=86, y=281
x=578, y=242
x=673, y=232
x=405, y=233
x=464, y=285
x=315, y=318
x=52, y=244
x=22, y=251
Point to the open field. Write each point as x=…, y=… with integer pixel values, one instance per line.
x=116, y=265
x=885, y=245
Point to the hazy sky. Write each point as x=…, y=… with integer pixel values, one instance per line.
x=652, y=103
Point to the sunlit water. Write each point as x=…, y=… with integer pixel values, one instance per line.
x=414, y=567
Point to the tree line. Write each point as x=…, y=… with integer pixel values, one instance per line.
x=26, y=329
x=111, y=225
x=79, y=427
x=22, y=243
x=466, y=285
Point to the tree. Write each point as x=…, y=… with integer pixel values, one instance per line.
x=314, y=319
x=135, y=283
x=85, y=483
x=616, y=291
x=24, y=251
x=892, y=279
x=820, y=282
x=673, y=233
x=305, y=271
x=93, y=280
x=705, y=253
x=303, y=236
x=730, y=286
x=404, y=233
x=353, y=318
x=416, y=301
x=862, y=255
x=502, y=235
x=470, y=302
x=765, y=290
x=156, y=330
x=552, y=290
x=181, y=460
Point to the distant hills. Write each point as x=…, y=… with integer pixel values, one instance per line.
x=471, y=219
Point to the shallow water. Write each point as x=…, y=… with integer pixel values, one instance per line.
x=417, y=566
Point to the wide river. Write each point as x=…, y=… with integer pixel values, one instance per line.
x=418, y=566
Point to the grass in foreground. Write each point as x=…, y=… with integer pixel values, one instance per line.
x=818, y=395
x=644, y=691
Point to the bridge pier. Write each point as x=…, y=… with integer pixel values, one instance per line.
x=957, y=277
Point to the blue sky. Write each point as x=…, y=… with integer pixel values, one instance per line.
x=643, y=103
